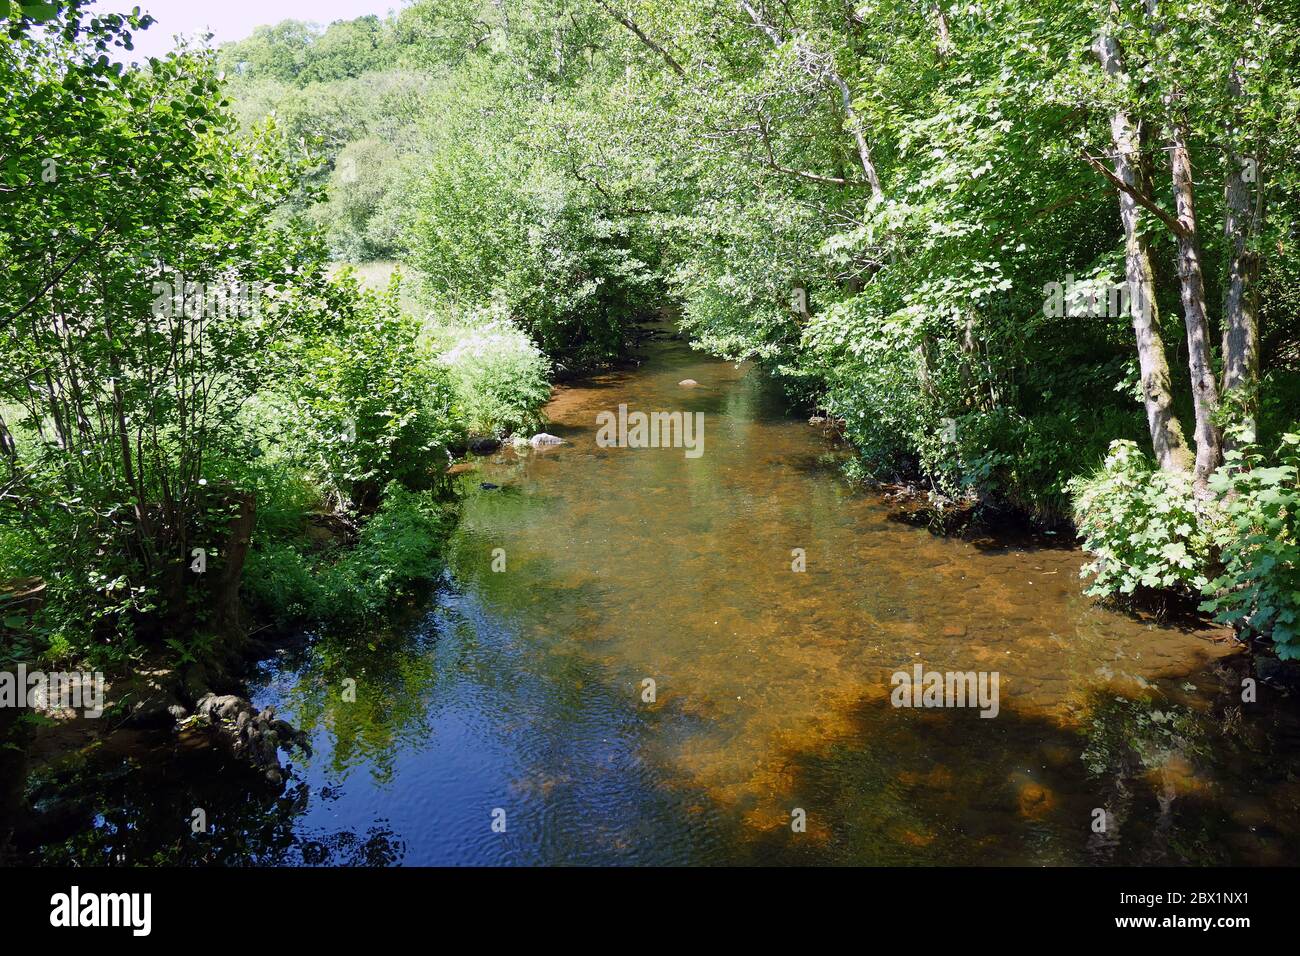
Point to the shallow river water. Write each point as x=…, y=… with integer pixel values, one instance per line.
x=519, y=697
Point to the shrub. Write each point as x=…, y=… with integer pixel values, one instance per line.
x=1141, y=526
x=397, y=549
x=1259, y=589
x=278, y=582
x=368, y=409
x=498, y=376
x=494, y=216
x=91, y=603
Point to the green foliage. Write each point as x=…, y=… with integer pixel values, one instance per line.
x=293, y=51
x=1141, y=526
x=498, y=219
x=91, y=601
x=280, y=583
x=174, y=348
x=498, y=376
x=1145, y=530
x=360, y=134
x=364, y=214
x=452, y=152
x=396, y=550
x=352, y=583
x=146, y=297
x=1259, y=589
x=365, y=407
x=873, y=204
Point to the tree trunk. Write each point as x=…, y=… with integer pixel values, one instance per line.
x=1240, y=318
x=1167, y=440
x=943, y=44
x=238, y=539
x=1205, y=391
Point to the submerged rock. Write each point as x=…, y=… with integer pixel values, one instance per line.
x=1033, y=800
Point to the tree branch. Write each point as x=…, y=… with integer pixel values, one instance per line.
x=1143, y=200
x=821, y=68
x=640, y=35
x=812, y=177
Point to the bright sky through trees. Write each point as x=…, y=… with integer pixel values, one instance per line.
x=236, y=19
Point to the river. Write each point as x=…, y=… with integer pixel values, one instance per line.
x=511, y=720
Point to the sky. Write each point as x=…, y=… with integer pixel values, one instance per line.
x=231, y=19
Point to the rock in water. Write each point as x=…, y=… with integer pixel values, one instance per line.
x=688, y=383
x=253, y=735
x=484, y=446
x=543, y=440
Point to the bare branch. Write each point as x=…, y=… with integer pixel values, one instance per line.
x=821, y=67
x=812, y=177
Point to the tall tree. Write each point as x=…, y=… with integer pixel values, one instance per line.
x=1167, y=438
x=1241, y=221
x=1205, y=391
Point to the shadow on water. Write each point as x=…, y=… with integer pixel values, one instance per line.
x=1144, y=780
x=458, y=716
x=134, y=803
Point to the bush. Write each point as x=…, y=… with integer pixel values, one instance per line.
x=278, y=583
x=396, y=550
x=367, y=407
x=83, y=608
x=1140, y=524
x=495, y=216
x=363, y=215
x=1259, y=589
x=498, y=376
x=162, y=335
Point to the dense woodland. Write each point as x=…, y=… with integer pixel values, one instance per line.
x=1035, y=255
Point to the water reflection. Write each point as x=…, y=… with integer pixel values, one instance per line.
x=134, y=802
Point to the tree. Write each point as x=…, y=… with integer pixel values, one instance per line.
x=147, y=297
x=1167, y=439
